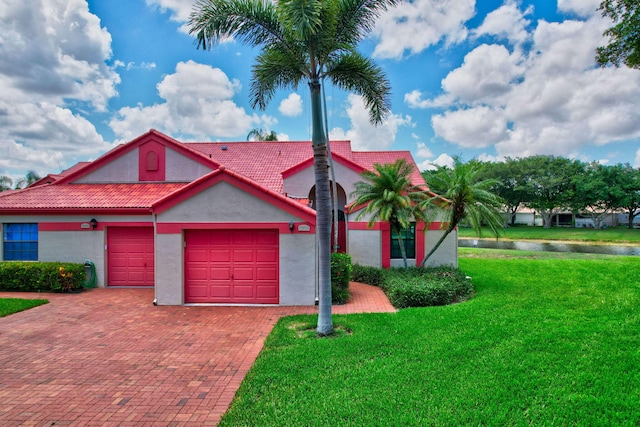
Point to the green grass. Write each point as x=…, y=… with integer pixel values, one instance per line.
x=13, y=305
x=543, y=342
x=609, y=235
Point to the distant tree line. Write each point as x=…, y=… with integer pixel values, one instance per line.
x=550, y=185
x=6, y=183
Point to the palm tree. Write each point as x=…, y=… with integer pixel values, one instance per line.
x=261, y=135
x=389, y=195
x=310, y=40
x=5, y=183
x=29, y=179
x=469, y=198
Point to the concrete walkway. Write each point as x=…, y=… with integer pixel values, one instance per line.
x=108, y=357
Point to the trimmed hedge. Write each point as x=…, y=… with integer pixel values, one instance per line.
x=369, y=275
x=41, y=276
x=340, y=277
x=418, y=287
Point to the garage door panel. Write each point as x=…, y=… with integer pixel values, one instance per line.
x=220, y=255
x=243, y=255
x=246, y=274
x=266, y=274
x=243, y=266
x=220, y=292
x=266, y=238
x=266, y=255
x=221, y=273
x=244, y=291
x=130, y=256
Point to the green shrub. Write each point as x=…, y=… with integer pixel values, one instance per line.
x=41, y=276
x=418, y=287
x=340, y=277
x=366, y=274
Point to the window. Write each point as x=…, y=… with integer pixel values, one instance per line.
x=409, y=240
x=20, y=242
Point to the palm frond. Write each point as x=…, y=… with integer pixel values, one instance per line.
x=252, y=22
x=355, y=73
x=274, y=69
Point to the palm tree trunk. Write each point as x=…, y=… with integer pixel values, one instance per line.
x=450, y=228
x=403, y=250
x=323, y=211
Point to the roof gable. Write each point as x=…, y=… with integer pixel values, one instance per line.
x=245, y=184
x=152, y=136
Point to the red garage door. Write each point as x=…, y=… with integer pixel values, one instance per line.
x=130, y=256
x=231, y=266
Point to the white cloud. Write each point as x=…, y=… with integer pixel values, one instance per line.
x=178, y=9
x=442, y=160
x=54, y=50
x=44, y=137
x=422, y=151
x=550, y=99
x=53, y=57
x=415, y=26
x=363, y=135
x=488, y=71
x=584, y=8
x=471, y=128
x=291, y=106
x=508, y=21
x=198, y=102
x=636, y=163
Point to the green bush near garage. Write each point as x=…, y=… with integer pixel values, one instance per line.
x=16, y=276
x=340, y=277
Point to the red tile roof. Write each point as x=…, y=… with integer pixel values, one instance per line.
x=72, y=197
x=264, y=161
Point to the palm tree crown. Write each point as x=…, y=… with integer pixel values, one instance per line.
x=389, y=195
x=470, y=199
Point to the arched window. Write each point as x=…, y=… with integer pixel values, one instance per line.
x=152, y=161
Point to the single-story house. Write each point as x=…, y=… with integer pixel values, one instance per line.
x=220, y=223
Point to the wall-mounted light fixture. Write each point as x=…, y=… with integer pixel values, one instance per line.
x=94, y=223
x=291, y=226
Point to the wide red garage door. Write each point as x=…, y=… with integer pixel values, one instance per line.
x=130, y=256
x=231, y=266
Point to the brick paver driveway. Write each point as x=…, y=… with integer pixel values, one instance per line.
x=109, y=357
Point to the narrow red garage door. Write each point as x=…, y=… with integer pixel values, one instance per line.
x=231, y=266
x=130, y=256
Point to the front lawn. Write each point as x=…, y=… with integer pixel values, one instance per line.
x=13, y=305
x=543, y=342
x=617, y=235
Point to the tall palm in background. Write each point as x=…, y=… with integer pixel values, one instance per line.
x=388, y=195
x=5, y=183
x=30, y=178
x=470, y=199
x=310, y=40
x=261, y=135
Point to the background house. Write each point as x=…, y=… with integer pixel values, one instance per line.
x=227, y=223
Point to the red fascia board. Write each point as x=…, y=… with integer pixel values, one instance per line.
x=309, y=162
x=151, y=135
x=77, y=226
x=179, y=227
x=76, y=211
x=241, y=182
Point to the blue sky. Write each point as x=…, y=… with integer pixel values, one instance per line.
x=480, y=79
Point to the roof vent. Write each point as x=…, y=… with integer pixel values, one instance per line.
x=224, y=148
